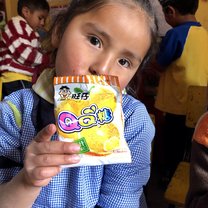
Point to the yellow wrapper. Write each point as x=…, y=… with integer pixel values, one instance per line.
x=88, y=111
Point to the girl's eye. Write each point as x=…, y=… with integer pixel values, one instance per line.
x=125, y=63
x=95, y=41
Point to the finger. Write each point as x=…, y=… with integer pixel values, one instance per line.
x=56, y=147
x=46, y=133
x=55, y=160
x=43, y=173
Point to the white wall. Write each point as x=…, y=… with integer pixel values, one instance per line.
x=163, y=26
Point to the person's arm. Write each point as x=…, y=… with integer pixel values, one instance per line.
x=198, y=183
x=122, y=184
x=42, y=162
x=20, y=44
x=17, y=194
x=170, y=48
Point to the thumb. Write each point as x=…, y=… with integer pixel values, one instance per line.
x=46, y=133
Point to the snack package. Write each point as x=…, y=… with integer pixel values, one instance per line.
x=88, y=111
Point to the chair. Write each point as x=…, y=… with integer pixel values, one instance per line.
x=177, y=189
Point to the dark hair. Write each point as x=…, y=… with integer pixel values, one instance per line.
x=32, y=5
x=183, y=6
x=77, y=7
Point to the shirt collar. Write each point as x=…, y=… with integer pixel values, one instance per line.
x=44, y=85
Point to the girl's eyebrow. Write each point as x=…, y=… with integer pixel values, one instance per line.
x=133, y=56
x=98, y=30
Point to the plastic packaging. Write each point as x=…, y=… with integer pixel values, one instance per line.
x=88, y=111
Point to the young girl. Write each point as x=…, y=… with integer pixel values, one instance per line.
x=95, y=37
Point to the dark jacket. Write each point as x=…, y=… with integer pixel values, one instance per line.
x=197, y=196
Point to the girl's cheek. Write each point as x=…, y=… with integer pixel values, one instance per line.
x=122, y=85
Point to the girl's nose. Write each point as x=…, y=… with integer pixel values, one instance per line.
x=102, y=65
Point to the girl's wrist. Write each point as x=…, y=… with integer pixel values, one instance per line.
x=18, y=192
x=26, y=184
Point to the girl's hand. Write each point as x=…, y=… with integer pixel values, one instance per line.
x=43, y=157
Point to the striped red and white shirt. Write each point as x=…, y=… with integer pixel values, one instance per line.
x=20, y=50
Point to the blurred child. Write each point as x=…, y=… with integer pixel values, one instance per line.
x=91, y=39
x=183, y=63
x=21, y=58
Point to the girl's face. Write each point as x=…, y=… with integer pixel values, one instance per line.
x=111, y=40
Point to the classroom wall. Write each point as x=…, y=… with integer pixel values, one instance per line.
x=162, y=25
x=11, y=10
x=54, y=3
x=202, y=12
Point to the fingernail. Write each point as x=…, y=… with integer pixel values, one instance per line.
x=76, y=147
x=49, y=127
x=75, y=158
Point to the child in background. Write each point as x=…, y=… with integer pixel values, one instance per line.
x=90, y=39
x=197, y=196
x=21, y=58
x=183, y=62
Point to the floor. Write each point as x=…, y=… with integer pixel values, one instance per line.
x=155, y=191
